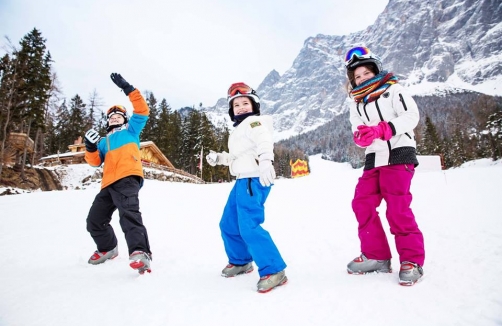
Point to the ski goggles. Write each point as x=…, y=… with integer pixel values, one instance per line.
x=360, y=52
x=116, y=109
x=240, y=89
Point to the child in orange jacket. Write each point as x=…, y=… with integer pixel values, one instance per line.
x=122, y=179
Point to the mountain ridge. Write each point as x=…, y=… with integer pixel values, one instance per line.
x=432, y=47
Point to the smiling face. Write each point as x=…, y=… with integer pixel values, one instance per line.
x=242, y=105
x=116, y=119
x=362, y=74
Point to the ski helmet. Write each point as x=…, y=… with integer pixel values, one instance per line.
x=241, y=89
x=361, y=56
x=116, y=109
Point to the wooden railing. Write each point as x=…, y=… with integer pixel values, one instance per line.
x=173, y=170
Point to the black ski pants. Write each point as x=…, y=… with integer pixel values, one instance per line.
x=121, y=195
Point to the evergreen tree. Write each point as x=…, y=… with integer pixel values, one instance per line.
x=9, y=83
x=77, y=123
x=430, y=144
x=34, y=64
x=163, y=127
x=175, y=138
x=494, y=127
x=192, y=142
x=101, y=123
x=62, y=132
x=95, y=112
x=150, y=132
x=208, y=141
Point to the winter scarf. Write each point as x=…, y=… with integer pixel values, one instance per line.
x=114, y=128
x=371, y=89
x=239, y=118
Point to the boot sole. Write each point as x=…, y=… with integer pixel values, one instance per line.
x=364, y=273
x=283, y=282
x=410, y=283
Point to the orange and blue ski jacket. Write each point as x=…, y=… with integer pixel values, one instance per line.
x=119, y=151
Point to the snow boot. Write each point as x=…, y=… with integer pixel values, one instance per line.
x=410, y=273
x=232, y=270
x=140, y=261
x=362, y=265
x=100, y=257
x=269, y=282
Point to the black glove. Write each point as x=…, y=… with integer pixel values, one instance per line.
x=122, y=83
x=90, y=140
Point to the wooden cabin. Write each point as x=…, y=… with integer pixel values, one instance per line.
x=151, y=155
x=15, y=145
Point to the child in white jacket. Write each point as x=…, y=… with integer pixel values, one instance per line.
x=383, y=116
x=250, y=159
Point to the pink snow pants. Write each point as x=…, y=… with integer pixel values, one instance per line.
x=391, y=183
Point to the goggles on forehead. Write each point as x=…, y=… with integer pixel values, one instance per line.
x=119, y=109
x=357, y=53
x=239, y=89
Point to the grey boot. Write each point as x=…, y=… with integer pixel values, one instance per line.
x=140, y=261
x=268, y=282
x=101, y=257
x=363, y=265
x=232, y=270
x=410, y=273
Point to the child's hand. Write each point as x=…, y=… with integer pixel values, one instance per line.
x=267, y=173
x=90, y=140
x=122, y=83
x=212, y=158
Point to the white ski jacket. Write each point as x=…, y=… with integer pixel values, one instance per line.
x=250, y=142
x=398, y=108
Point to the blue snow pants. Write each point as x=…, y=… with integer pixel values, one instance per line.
x=243, y=237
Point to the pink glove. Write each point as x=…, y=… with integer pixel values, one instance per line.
x=365, y=135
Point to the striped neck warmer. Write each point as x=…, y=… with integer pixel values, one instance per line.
x=371, y=89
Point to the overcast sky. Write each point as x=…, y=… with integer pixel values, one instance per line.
x=188, y=51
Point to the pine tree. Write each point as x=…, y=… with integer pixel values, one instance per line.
x=191, y=142
x=175, y=138
x=430, y=144
x=494, y=127
x=150, y=132
x=71, y=123
x=35, y=70
x=162, y=138
x=95, y=103
x=208, y=140
x=62, y=132
x=9, y=85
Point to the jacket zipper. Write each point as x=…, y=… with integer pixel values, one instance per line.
x=381, y=119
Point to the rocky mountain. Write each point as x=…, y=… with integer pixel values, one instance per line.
x=432, y=46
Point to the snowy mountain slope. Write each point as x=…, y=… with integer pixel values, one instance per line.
x=432, y=46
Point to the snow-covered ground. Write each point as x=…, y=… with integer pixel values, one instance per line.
x=45, y=278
